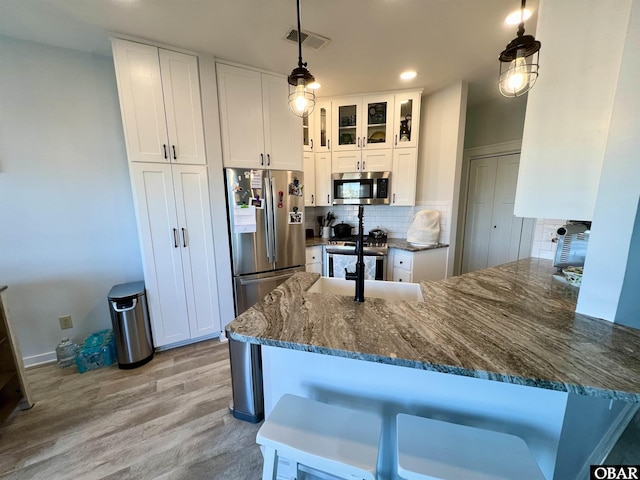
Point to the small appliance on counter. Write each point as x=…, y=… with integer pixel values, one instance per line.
x=573, y=239
x=425, y=229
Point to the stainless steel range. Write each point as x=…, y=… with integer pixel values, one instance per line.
x=341, y=255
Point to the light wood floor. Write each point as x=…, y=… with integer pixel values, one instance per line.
x=168, y=419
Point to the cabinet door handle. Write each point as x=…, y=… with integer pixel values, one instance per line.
x=312, y=199
x=268, y=160
x=175, y=238
x=401, y=262
x=262, y=159
x=174, y=152
x=311, y=142
x=363, y=167
x=364, y=142
x=184, y=238
x=328, y=144
x=396, y=139
x=328, y=199
x=394, y=198
x=358, y=166
x=358, y=142
x=164, y=147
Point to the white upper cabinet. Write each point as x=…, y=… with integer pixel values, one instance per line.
x=362, y=123
x=406, y=119
x=403, y=177
x=323, y=179
x=160, y=103
x=309, y=188
x=258, y=128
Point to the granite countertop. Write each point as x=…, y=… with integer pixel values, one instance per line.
x=512, y=323
x=400, y=243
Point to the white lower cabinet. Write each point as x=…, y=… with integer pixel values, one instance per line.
x=414, y=267
x=174, y=224
x=314, y=259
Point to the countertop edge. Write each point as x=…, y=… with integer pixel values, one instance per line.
x=448, y=369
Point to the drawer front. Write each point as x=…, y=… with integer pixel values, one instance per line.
x=403, y=261
x=314, y=254
x=402, y=275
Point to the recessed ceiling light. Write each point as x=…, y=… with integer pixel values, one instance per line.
x=514, y=17
x=314, y=86
x=409, y=75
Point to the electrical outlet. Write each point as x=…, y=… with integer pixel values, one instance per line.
x=65, y=322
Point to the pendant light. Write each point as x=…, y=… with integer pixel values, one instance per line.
x=519, y=62
x=301, y=97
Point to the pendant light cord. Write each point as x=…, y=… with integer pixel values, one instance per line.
x=521, y=26
x=300, y=64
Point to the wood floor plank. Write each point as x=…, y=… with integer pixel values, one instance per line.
x=167, y=419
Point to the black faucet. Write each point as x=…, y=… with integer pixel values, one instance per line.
x=358, y=275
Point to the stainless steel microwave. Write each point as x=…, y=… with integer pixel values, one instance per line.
x=361, y=188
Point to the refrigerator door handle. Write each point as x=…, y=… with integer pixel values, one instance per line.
x=267, y=224
x=274, y=230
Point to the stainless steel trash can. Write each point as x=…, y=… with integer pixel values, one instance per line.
x=246, y=381
x=131, y=327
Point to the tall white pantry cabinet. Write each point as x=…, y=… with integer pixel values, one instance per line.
x=159, y=93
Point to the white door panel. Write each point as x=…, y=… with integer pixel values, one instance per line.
x=181, y=88
x=158, y=230
x=141, y=99
x=196, y=245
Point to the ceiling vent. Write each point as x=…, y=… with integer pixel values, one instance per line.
x=309, y=39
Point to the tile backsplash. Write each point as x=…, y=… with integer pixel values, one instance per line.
x=395, y=220
x=543, y=245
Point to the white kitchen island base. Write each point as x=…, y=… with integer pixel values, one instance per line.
x=565, y=432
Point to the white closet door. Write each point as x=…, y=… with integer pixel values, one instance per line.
x=506, y=227
x=141, y=100
x=158, y=230
x=477, y=233
x=493, y=235
x=181, y=88
x=196, y=245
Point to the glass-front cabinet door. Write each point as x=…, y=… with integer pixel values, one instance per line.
x=307, y=133
x=377, y=123
x=322, y=127
x=406, y=119
x=363, y=123
x=346, y=115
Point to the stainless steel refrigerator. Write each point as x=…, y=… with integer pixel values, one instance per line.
x=266, y=226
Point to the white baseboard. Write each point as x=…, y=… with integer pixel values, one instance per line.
x=609, y=439
x=41, y=359
x=188, y=342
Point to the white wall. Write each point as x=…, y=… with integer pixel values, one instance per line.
x=611, y=277
x=496, y=121
x=569, y=108
x=442, y=125
x=68, y=227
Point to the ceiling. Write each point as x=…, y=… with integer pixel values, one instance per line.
x=372, y=41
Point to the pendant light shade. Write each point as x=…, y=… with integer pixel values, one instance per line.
x=519, y=63
x=302, y=99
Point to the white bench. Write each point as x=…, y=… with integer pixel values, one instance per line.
x=435, y=450
x=332, y=439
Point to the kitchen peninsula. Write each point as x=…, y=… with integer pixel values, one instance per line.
x=501, y=348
